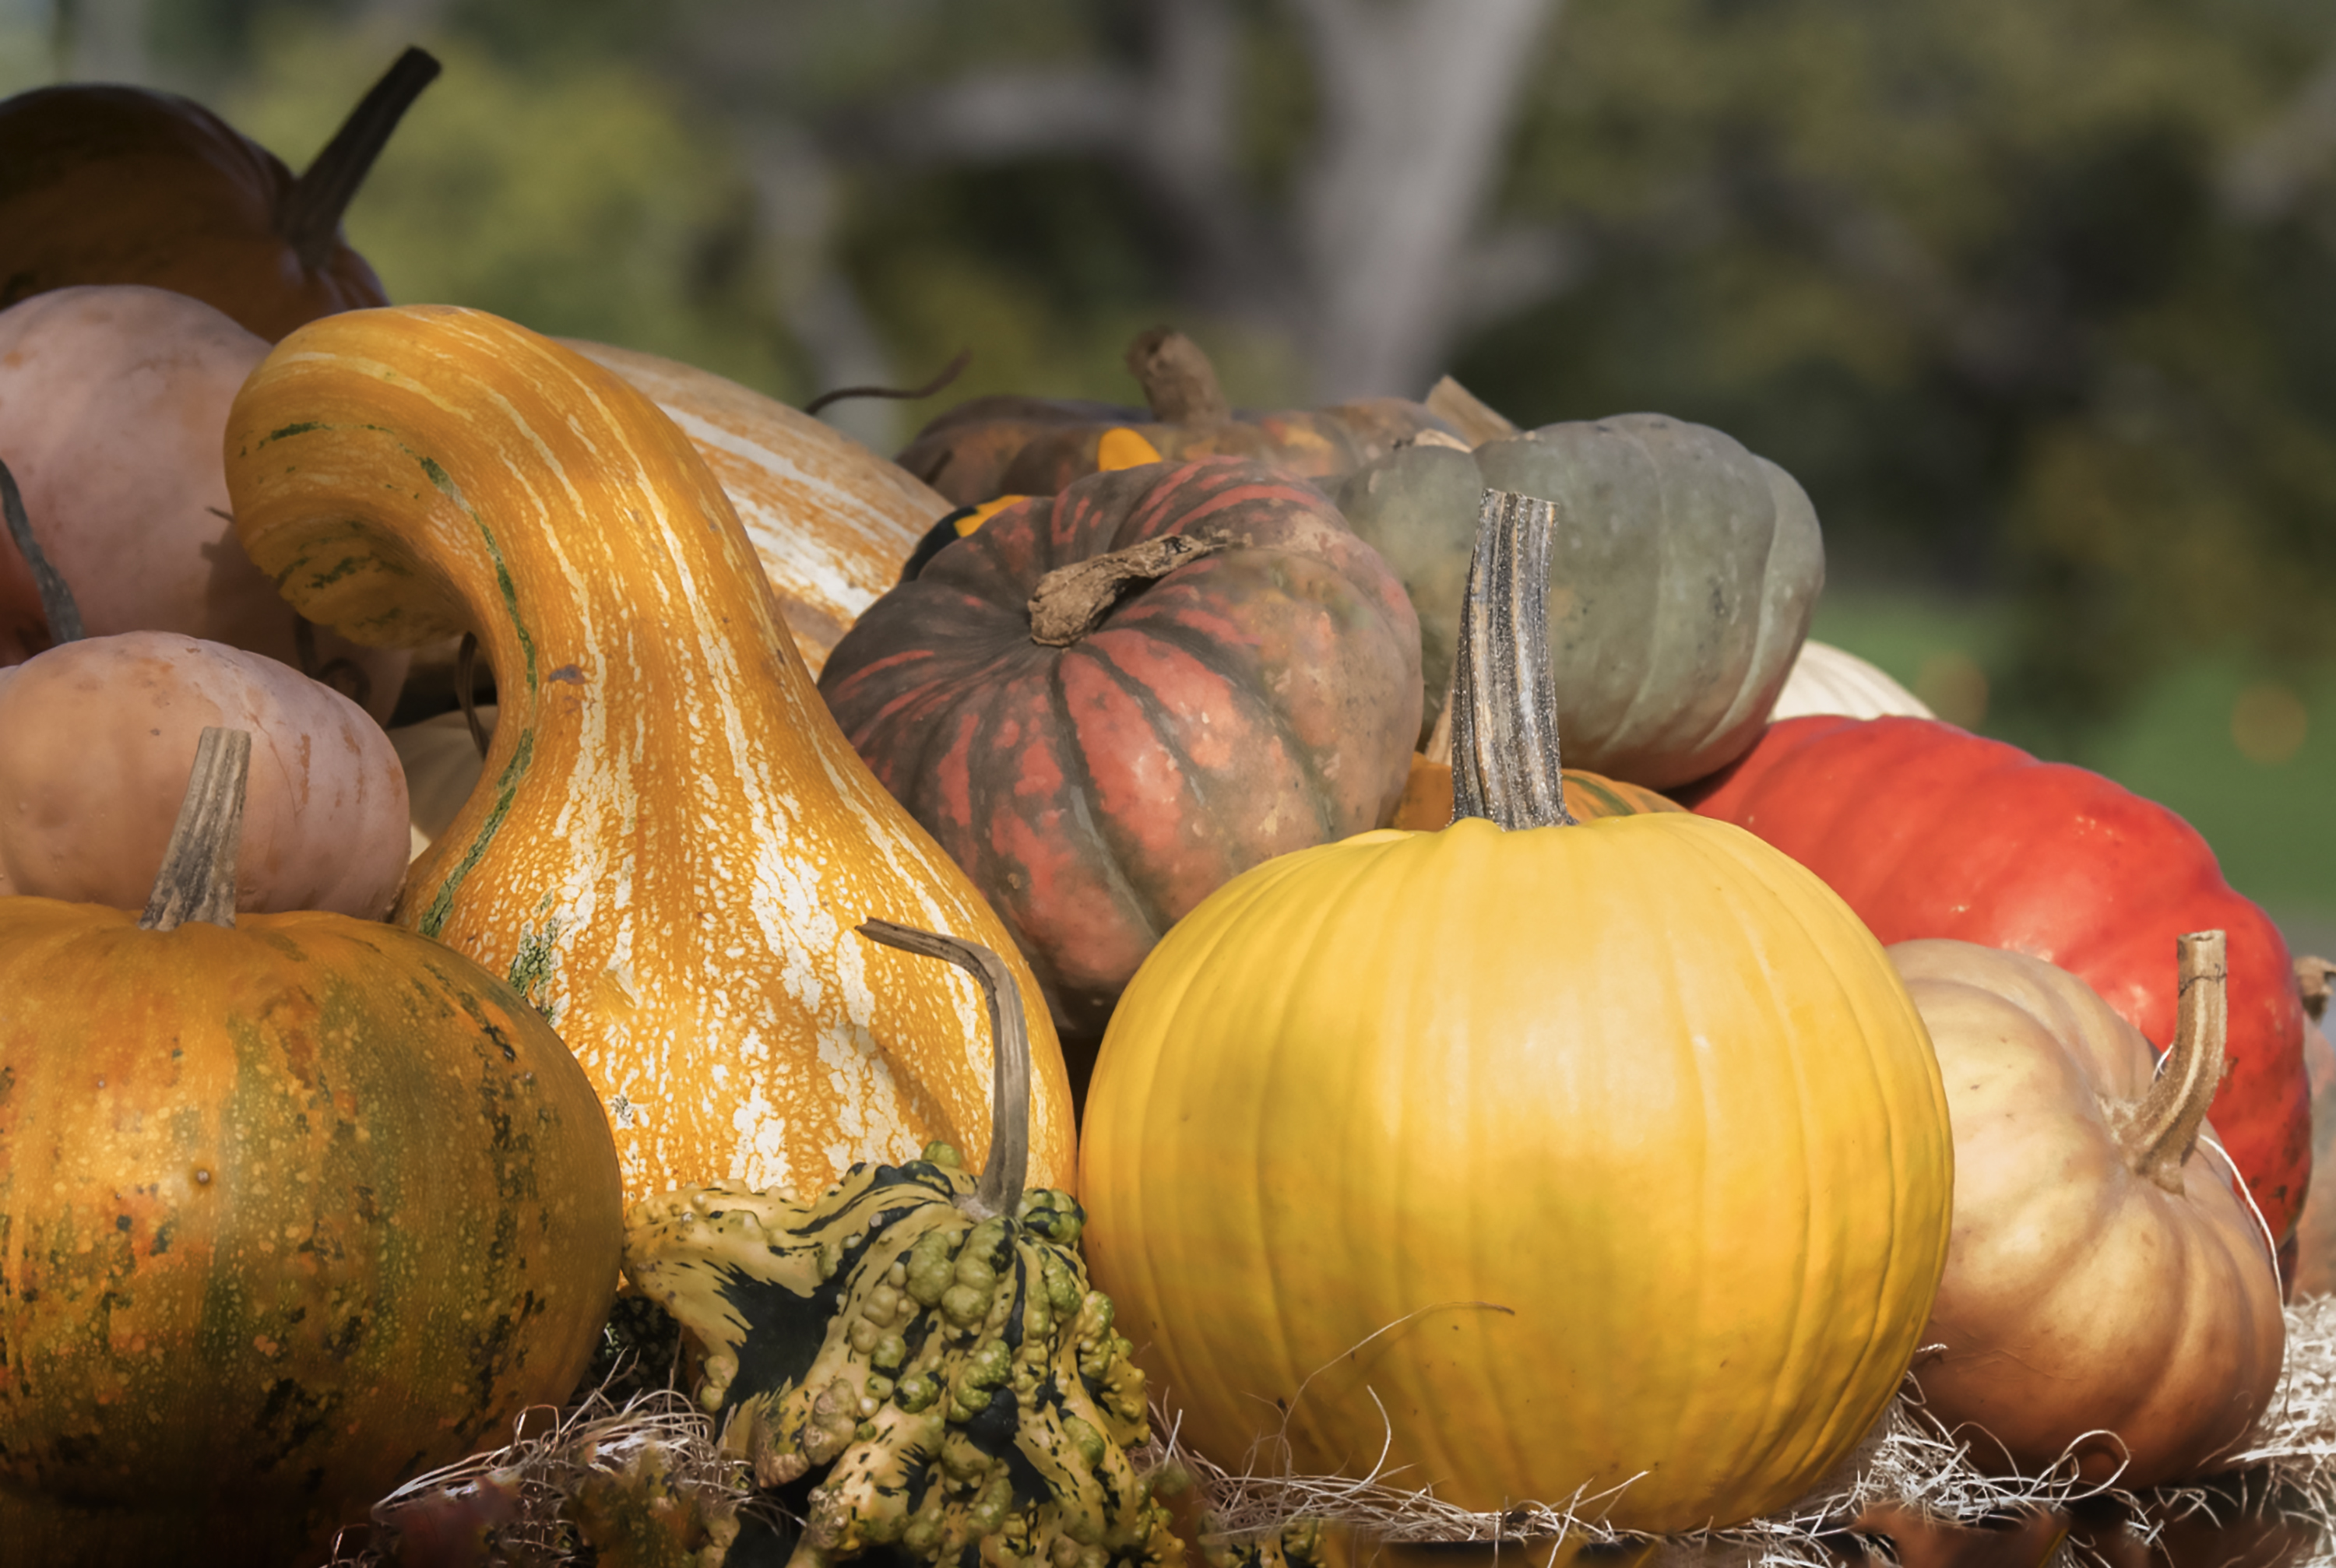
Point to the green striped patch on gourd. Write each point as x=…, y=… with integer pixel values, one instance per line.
x=924, y=1339
x=1681, y=579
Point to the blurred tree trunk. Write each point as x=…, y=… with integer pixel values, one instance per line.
x=1367, y=262
x=796, y=210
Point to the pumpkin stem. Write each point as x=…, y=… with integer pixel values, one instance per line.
x=1505, y=761
x=1002, y=1174
x=1469, y=414
x=197, y=882
x=2162, y=1129
x=308, y=218
x=1180, y=386
x=1070, y=599
x=2312, y=984
x=57, y=601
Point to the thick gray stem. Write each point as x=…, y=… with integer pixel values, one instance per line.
x=197, y=882
x=1504, y=757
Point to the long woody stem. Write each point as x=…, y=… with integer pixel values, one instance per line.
x=197, y=882
x=999, y=1187
x=309, y=218
x=2164, y=1127
x=1504, y=760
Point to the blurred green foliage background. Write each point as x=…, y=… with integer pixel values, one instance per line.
x=2039, y=302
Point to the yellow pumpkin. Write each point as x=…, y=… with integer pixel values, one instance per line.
x=1534, y=1161
x=672, y=842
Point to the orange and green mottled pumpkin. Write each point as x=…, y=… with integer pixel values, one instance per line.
x=296, y=1207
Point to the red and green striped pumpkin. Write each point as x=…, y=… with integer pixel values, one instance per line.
x=1259, y=697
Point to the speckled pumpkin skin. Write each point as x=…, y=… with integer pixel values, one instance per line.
x=292, y=1213
x=1251, y=702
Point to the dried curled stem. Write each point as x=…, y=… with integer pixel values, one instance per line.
x=2160, y=1131
x=1180, y=385
x=308, y=218
x=1071, y=600
x=56, y=597
x=1505, y=755
x=1003, y=1174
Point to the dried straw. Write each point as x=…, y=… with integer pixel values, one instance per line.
x=1909, y=1462
x=518, y=1496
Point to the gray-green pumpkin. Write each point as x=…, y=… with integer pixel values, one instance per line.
x=1681, y=579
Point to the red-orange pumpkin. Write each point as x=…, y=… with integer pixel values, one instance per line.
x=1101, y=769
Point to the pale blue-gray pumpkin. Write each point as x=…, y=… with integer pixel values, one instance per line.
x=1681, y=580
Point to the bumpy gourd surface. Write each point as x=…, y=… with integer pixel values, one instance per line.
x=956, y=1379
x=1549, y=1158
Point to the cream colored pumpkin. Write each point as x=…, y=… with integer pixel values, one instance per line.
x=1826, y=680
x=112, y=401
x=831, y=522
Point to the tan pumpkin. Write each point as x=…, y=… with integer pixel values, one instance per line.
x=2108, y=1289
x=672, y=842
x=831, y=519
x=112, y=402
x=99, y=735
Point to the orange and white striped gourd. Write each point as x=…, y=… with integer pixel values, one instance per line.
x=831, y=519
x=672, y=842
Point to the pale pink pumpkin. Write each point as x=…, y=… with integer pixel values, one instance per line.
x=112, y=412
x=96, y=737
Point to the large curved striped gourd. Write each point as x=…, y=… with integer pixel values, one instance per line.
x=672, y=842
x=831, y=521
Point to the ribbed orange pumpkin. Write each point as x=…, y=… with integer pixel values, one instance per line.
x=672, y=842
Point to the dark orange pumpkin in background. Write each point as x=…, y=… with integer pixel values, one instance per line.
x=1010, y=444
x=110, y=184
